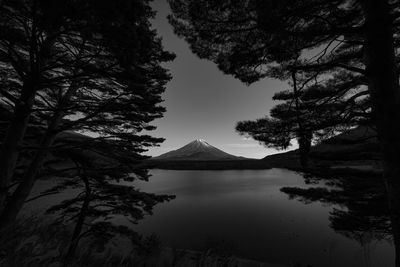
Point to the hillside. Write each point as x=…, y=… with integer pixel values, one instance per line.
x=353, y=150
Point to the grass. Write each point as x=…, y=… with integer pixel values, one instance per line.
x=36, y=243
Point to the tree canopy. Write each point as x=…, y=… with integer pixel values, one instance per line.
x=311, y=112
x=88, y=66
x=256, y=39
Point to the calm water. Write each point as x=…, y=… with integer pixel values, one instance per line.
x=246, y=210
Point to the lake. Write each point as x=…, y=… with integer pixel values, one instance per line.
x=246, y=211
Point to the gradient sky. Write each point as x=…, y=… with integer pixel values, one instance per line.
x=204, y=103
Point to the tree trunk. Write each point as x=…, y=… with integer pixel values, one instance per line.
x=17, y=200
x=17, y=129
x=384, y=90
x=12, y=142
x=304, y=150
x=302, y=137
x=81, y=219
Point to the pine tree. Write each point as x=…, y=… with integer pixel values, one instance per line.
x=101, y=194
x=91, y=66
x=312, y=112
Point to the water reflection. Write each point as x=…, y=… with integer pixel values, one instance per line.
x=359, y=207
x=248, y=210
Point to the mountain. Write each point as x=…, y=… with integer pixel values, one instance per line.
x=360, y=143
x=197, y=150
x=356, y=149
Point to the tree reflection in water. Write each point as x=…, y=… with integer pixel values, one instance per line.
x=360, y=211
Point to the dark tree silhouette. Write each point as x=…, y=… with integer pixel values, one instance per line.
x=100, y=196
x=249, y=38
x=90, y=66
x=312, y=111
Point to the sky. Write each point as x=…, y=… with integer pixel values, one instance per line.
x=204, y=103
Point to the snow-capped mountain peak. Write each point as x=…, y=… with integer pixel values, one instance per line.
x=198, y=149
x=201, y=142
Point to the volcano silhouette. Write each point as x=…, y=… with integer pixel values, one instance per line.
x=197, y=150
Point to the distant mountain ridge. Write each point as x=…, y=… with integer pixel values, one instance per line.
x=198, y=150
x=357, y=148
